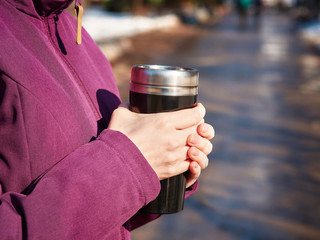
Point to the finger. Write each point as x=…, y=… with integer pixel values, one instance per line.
x=193, y=174
x=183, y=134
x=195, y=169
x=176, y=169
x=206, y=130
x=203, y=144
x=198, y=156
x=181, y=137
x=185, y=118
x=178, y=162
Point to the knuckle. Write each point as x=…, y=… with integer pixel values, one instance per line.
x=167, y=124
x=206, y=130
x=197, y=115
x=202, y=160
x=191, y=153
x=171, y=160
x=171, y=170
x=120, y=111
x=163, y=123
x=172, y=144
x=201, y=111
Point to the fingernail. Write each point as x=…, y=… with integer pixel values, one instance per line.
x=204, y=128
x=196, y=165
x=195, y=152
x=194, y=139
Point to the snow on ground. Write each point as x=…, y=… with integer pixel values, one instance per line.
x=103, y=25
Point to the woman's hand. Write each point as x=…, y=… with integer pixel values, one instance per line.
x=200, y=147
x=166, y=139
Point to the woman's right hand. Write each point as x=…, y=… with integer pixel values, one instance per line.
x=162, y=137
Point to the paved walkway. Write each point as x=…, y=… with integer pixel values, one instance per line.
x=261, y=88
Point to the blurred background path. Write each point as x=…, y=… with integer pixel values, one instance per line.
x=260, y=83
x=261, y=89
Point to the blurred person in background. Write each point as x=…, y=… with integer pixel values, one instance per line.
x=242, y=7
x=257, y=10
x=73, y=164
x=257, y=5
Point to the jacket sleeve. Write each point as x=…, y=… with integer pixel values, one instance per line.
x=86, y=195
x=81, y=196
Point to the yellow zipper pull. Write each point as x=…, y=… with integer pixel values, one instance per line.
x=79, y=13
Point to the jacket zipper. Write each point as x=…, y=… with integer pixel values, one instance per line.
x=73, y=71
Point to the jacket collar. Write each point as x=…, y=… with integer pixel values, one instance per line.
x=41, y=8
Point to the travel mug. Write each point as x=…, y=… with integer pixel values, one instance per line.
x=154, y=89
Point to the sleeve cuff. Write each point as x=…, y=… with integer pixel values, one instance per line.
x=192, y=189
x=138, y=166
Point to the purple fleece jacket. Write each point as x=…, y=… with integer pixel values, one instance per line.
x=63, y=175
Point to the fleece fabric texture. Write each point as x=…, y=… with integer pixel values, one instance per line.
x=63, y=175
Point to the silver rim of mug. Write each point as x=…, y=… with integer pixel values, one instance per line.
x=165, y=76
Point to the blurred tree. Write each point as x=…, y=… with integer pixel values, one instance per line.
x=118, y=5
x=135, y=6
x=142, y=5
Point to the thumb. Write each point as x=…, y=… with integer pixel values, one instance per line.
x=186, y=118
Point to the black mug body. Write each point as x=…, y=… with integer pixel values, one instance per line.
x=172, y=194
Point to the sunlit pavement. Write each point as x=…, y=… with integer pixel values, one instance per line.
x=261, y=88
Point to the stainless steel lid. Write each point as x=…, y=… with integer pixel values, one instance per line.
x=164, y=80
